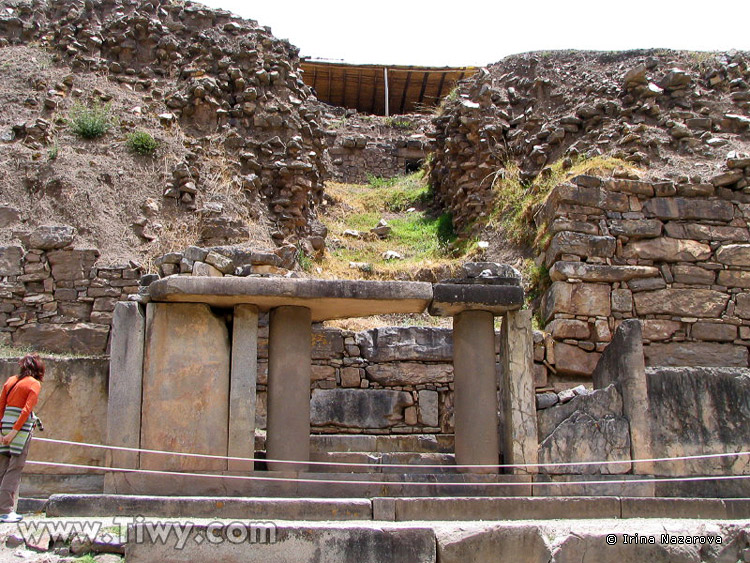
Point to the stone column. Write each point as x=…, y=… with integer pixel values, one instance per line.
x=289, y=371
x=242, y=382
x=520, y=441
x=125, y=388
x=475, y=399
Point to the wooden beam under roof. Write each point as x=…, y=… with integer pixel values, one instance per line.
x=405, y=95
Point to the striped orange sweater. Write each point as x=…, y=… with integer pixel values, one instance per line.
x=25, y=394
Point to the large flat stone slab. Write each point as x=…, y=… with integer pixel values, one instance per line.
x=80, y=338
x=397, y=344
x=707, y=415
x=317, y=484
x=185, y=386
x=326, y=299
x=449, y=299
x=358, y=408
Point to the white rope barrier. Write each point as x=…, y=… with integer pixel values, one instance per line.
x=398, y=465
x=393, y=483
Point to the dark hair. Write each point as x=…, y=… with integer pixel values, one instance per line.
x=32, y=365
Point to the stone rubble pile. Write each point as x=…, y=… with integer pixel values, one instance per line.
x=214, y=74
x=674, y=254
x=228, y=261
x=652, y=108
x=362, y=146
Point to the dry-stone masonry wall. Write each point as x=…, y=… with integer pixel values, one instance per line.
x=386, y=380
x=56, y=297
x=362, y=146
x=674, y=254
x=661, y=109
x=210, y=71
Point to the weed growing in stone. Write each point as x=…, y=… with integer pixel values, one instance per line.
x=396, y=123
x=516, y=201
x=90, y=122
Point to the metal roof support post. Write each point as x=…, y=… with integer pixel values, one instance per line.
x=385, y=74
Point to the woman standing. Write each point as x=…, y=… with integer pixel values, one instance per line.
x=17, y=399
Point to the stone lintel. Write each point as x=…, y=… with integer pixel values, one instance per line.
x=450, y=299
x=326, y=299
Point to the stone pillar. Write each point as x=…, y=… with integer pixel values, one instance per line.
x=125, y=387
x=242, y=382
x=520, y=441
x=622, y=364
x=289, y=372
x=185, y=387
x=475, y=399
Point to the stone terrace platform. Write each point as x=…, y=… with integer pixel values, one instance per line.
x=184, y=367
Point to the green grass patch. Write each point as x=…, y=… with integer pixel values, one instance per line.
x=422, y=238
x=395, y=194
x=516, y=202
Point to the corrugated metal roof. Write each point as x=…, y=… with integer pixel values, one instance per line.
x=411, y=89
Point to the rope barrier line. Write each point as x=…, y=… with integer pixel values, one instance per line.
x=395, y=465
x=392, y=483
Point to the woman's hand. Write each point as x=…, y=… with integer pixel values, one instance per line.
x=8, y=438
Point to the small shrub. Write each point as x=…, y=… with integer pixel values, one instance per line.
x=143, y=143
x=90, y=122
x=53, y=152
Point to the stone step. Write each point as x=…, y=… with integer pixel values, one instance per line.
x=375, y=461
x=397, y=509
x=323, y=485
x=386, y=443
x=654, y=540
x=210, y=507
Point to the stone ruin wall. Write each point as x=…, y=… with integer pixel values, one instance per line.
x=213, y=73
x=407, y=372
x=361, y=146
x=56, y=297
x=673, y=254
x=534, y=110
